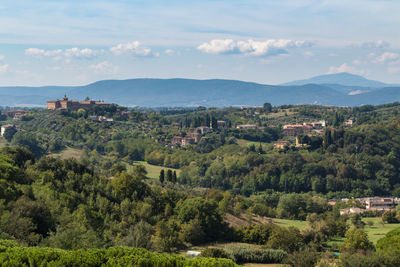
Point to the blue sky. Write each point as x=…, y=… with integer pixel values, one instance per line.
x=78, y=42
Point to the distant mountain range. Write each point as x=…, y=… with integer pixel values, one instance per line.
x=343, y=78
x=341, y=89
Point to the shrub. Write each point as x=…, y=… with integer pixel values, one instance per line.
x=302, y=258
x=214, y=253
x=255, y=255
x=114, y=256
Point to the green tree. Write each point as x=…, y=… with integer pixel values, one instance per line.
x=9, y=133
x=162, y=176
x=389, y=216
x=174, y=178
x=208, y=216
x=356, y=239
x=288, y=239
x=167, y=236
x=169, y=176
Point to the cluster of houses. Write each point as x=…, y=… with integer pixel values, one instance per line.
x=192, y=137
x=15, y=114
x=379, y=204
x=293, y=130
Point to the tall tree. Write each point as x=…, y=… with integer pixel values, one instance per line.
x=174, y=177
x=162, y=176
x=169, y=176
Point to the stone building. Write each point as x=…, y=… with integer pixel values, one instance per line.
x=66, y=104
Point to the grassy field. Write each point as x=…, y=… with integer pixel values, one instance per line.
x=69, y=153
x=283, y=222
x=245, y=143
x=378, y=230
x=153, y=171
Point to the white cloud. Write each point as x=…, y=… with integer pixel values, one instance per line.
x=59, y=54
x=169, y=52
x=104, y=67
x=251, y=47
x=2, y=57
x=375, y=45
x=388, y=57
x=3, y=68
x=36, y=52
x=133, y=48
x=82, y=53
x=218, y=47
x=345, y=68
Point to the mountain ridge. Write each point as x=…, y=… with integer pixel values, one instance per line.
x=151, y=92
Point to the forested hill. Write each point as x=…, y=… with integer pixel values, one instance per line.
x=217, y=93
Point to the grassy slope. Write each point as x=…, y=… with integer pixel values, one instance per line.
x=283, y=222
x=378, y=230
x=69, y=153
x=153, y=171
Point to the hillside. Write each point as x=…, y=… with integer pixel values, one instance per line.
x=217, y=93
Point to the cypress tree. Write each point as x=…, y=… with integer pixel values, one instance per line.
x=169, y=176
x=162, y=176
x=174, y=177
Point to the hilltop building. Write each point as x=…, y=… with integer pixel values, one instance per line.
x=66, y=104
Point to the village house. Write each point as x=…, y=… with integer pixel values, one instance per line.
x=203, y=129
x=187, y=140
x=380, y=203
x=349, y=122
x=103, y=118
x=292, y=130
x=281, y=145
x=15, y=114
x=246, y=126
x=351, y=211
x=176, y=140
x=195, y=135
x=66, y=104
x=222, y=124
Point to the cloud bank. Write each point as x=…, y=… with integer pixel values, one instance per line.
x=251, y=48
x=132, y=48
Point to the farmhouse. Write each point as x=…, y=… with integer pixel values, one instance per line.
x=295, y=129
x=67, y=104
x=281, y=145
x=15, y=114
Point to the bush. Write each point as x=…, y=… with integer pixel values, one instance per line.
x=114, y=256
x=244, y=254
x=302, y=258
x=214, y=253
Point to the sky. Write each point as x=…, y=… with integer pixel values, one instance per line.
x=73, y=42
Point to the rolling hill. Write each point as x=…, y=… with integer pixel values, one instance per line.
x=217, y=93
